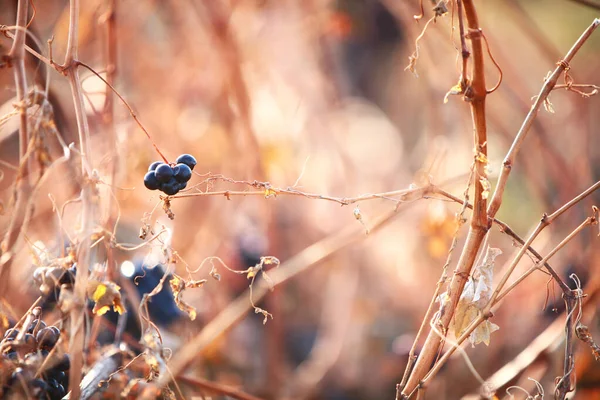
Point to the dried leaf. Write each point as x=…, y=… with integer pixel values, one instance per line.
x=270, y=260
x=474, y=298
x=457, y=89
x=359, y=217
x=270, y=193
x=178, y=285
x=485, y=184
x=105, y=295
x=252, y=271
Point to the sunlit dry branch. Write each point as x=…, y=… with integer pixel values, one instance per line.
x=497, y=296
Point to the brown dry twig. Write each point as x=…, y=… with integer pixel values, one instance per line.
x=412, y=60
x=549, y=84
x=577, y=88
x=22, y=189
x=504, y=228
x=497, y=296
x=268, y=191
x=442, y=281
x=539, y=346
x=475, y=94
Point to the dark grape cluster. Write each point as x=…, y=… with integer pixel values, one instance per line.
x=170, y=179
x=29, y=366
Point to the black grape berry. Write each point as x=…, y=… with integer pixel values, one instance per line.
x=55, y=389
x=187, y=159
x=38, y=388
x=63, y=364
x=36, y=326
x=47, y=337
x=183, y=172
x=154, y=165
x=11, y=333
x=163, y=173
x=171, y=187
x=151, y=182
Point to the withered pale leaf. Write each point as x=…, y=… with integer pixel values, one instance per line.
x=485, y=184
x=474, y=298
x=455, y=90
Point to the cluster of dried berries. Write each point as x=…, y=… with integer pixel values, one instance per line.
x=30, y=368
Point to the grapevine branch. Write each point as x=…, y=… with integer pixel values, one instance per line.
x=62, y=69
x=497, y=296
x=412, y=358
x=475, y=94
x=548, y=86
x=77, y=313
x=504, y=228
x=22, y=190
x=540, y=344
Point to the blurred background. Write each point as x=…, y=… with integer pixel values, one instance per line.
x=314, y=93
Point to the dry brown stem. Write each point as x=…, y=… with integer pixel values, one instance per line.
x=475, y=93
x=267, y=191
x=541, y=344
x=496, y=296
x=548, y=86
x=78, y=311
x=544, y=222
x=412, y=358
x=108, y=119
x=504, y=228
x=567, y=292
x=22, y=190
